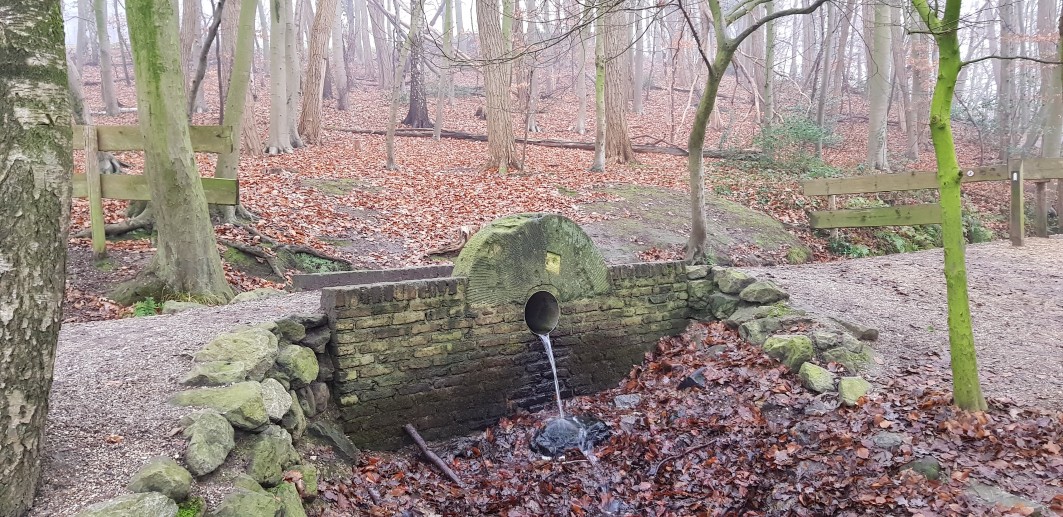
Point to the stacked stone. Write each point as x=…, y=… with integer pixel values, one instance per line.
x=257, y=386
x=760, y=311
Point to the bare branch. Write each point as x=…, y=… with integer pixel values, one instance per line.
x=1010, y=58
x=754, y=25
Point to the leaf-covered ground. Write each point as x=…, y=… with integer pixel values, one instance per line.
x=753, y=442
x=337, y=197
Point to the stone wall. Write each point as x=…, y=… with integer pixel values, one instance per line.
x=454, y=354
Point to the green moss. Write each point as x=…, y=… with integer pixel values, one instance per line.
x=338, y=186
x=194, y=507
x=799, y=255
x=237, y=257
x=567, y=192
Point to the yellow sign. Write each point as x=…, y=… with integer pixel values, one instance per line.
x=553, y=263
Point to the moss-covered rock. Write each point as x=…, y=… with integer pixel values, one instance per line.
x=291, y=328
x=276, y=398
x=850, y=389
x=217, y=373
x=731, y=281
x=723, y=305
x=257, y=294
x=254, y=348
x=174, y=306
x=816, y=378
x=758, y=331
x=309, y=474
x=762, y=292
x=248, y=483
x=147, y=504
x=295, y=419
x=798, y=255
x=299, y=364
x=792, y=350
x=516, y=253
x=928, y=466
x=271, y=453
x=247, y=503
x=211, y=438
x=291, y=503
x=163, y=475
x=241, y=404
x=854, y=361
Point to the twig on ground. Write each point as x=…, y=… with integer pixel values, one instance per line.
x=410, y=430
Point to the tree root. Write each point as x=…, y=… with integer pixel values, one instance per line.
x=144, y=220
x=254, y=251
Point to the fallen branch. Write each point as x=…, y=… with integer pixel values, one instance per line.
x=254, y=251
x=741, y=154
x=144, y=220
x=431, y=455
x=653, y=470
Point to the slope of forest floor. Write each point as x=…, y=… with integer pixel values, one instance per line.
x=337, y=198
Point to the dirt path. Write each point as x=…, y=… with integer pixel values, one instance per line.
x=112, y=379
x=1016, y=305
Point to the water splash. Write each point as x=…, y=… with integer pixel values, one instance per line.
x=545, y=338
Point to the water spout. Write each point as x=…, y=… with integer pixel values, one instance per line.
x=545, y=338
x=542, y=313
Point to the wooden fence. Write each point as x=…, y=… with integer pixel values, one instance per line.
x=97, y=186
x=1040, y=171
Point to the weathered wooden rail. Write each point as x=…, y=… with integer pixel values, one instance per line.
x=97, y=186
x=1016, y=172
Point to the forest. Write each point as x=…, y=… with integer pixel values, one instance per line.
x=801, y=257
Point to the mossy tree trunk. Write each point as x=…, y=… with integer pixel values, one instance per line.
x=967, y=391
x=724, y=53
x=35, y=167
x=186, y=260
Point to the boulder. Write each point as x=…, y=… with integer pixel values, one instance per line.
x=331, y=435
x=723, y=305
x=321, y=394
x=716, y=350
x=823, y=339
x=816, y=378
x=217, y=373
x=163, y=475
x=697, y=272
x=850, y=389
x=309, y=474
x=311, y=319
x=756, y=312
x=255, y=347
x=853, y=361
x=247, y=503
x=271, y=453
x=241, y=404
x=861, y=332
x=291, y=502
x=696, y=379
x=291, y=329
x=317, y=339
x=758, y=331
x=257, y=294
x=148, y=504
x=174, y=306
x=627, y=400
x=247, y=483
x=210, y=441
x=299, y=364
x=887, y=440
x=762, y=292
x=731, y=281
x=698, y=292
x=928, y=466
x=295, y=419
x=995, y=496
x=276, y=399
x=791, y=350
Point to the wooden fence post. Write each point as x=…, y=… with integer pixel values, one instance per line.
x=1040, y=224
x=1015, y=228
x=95, y=194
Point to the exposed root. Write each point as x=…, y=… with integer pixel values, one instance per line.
x=144, y=220
x=254, y=251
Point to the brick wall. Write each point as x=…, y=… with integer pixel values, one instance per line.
x=417, y=352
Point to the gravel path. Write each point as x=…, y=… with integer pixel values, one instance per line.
x=113, y=378
x=1016, y=305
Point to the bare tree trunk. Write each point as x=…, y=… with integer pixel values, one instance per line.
x=617, y=141
x=35, y=167
x=417, y=116
x=579, y=58
x=639, y=77
x=531, y=58
x=600, y=121
x=279, y=140
x=1005, y=86
x=840, y=63
x=293, y=67
x=383, y=50
x=266, y=29
x=191, y=46
x=110, y=102
x=501, y=153
x=238, y=32
x=1051, y=87
x=186, y=260
x=768, y=88
x=878, y=89
x=86, y=24
x=824, y=75
x=396, y=89
x=123, y=47
x=339, y=65
x=446, y=77
x=324, y=25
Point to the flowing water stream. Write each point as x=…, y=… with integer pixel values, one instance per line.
x=545, y=338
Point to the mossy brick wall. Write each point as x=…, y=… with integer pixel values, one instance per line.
x=417, y=352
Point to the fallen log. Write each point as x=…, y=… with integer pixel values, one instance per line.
x=442, y=465
x=737, y=154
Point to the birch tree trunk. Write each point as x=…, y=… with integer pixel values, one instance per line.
x=878, y=88
x=110, y=102
x=279, y=140
x=339, y=64
x=317, y=57
x=617, y=141
x=35, y=166
x=497, y=68
x=186, y=260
